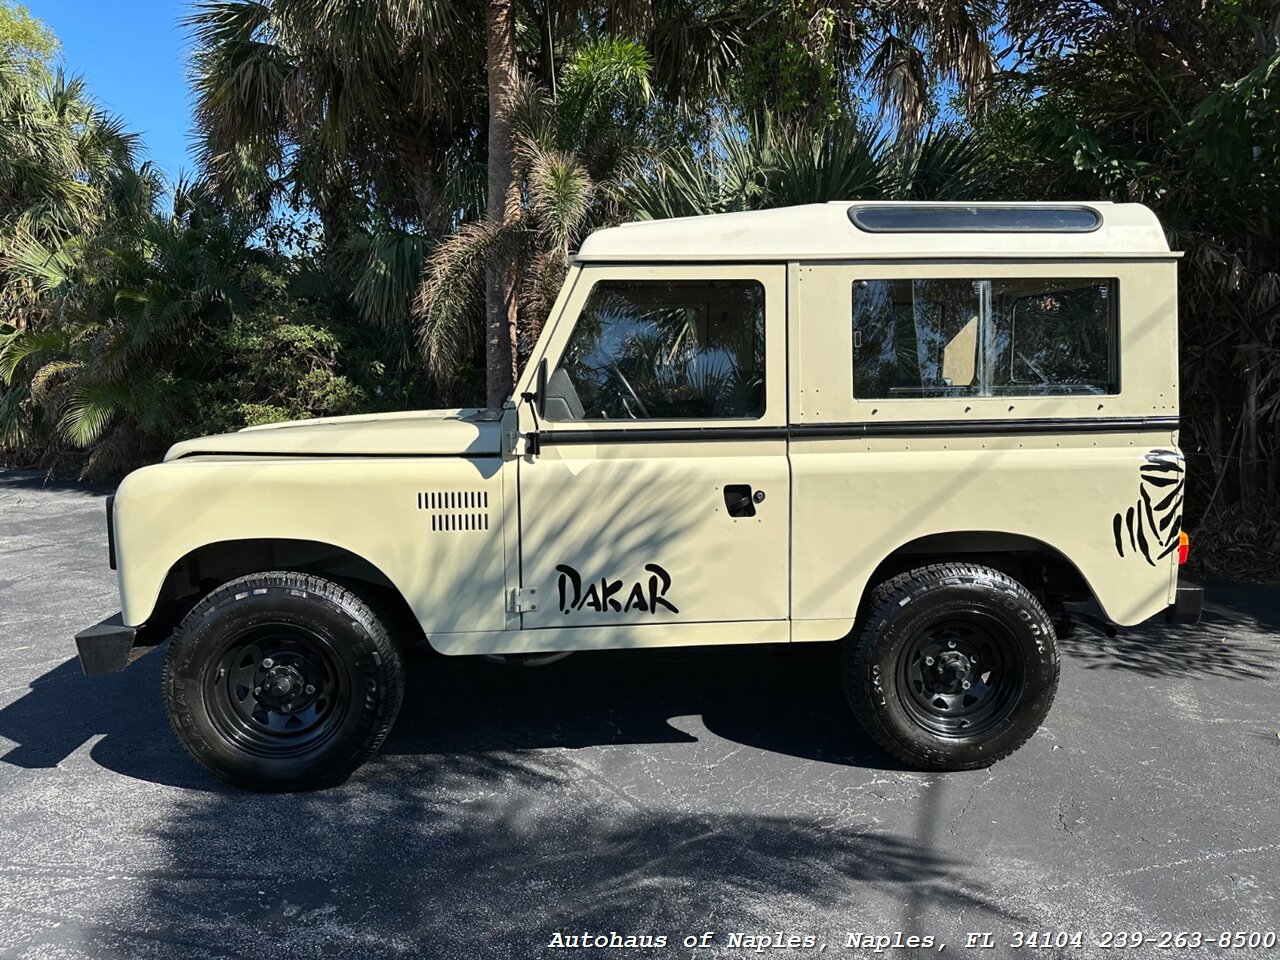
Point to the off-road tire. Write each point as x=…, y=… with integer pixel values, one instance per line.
x=354, y=661
x=904, y=612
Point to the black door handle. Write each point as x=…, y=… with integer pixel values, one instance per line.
x=740, y=501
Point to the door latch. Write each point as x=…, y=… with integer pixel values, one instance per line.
x=740, y=501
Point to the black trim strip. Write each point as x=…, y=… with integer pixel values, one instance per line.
x=661, y=435
x=982, y=428
x=111, y=531
x=899, y=428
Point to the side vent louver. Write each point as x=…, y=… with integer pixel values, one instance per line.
x=456, y=511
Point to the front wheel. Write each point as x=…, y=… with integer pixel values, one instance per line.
x=953, y=667
x=282, y=681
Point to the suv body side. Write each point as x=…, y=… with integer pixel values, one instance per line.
x=965, y=474
x=476, y=540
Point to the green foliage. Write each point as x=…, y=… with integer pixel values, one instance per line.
x=1176, y=106
x=774, y=164
x=130, y=326
x=276, y=367
x=570, y=149
x=25, y=39
x=601, y=92
x=357, y=108
x=791, y=64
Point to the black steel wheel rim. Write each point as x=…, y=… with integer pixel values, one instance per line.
x=277, y=690
x=961, y=675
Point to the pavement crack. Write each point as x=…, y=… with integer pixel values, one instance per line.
x=955, y=821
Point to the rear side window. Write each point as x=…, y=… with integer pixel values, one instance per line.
x=664, y=350
x=1012, y=337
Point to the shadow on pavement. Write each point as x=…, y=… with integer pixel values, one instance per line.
x=11, y=479
x=785, y=700
x=467, y=840
x=781, y=700
x=1233, y=640
x=64, y=709
x=488, y=856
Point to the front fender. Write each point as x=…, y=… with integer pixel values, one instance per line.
x=433, y=525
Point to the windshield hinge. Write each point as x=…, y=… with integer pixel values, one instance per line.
x=523, y=600
x=511, y=441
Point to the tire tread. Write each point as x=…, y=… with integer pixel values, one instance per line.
x=385, y=645
x=894, y=593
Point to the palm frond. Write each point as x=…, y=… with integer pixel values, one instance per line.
x=388, y=271
x=449, y=303
x=602, y=78
x=89, y=410
x=560, y=192
x=30, y=349
x=945, y=164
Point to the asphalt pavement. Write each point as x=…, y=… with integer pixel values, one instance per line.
x=690, y=793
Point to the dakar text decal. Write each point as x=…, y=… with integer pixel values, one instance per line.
x=1151, y=526
x=645, y=596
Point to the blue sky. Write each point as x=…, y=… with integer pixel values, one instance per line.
x=133, y=56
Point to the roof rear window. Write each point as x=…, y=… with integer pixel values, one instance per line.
x=935, y=218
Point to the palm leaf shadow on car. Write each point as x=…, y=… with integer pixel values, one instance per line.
x=1151, y=526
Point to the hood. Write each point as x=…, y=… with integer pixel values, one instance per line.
x=469, y=432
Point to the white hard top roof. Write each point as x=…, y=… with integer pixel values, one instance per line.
x=826, y=231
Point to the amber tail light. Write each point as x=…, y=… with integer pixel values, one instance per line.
x=1184, y=547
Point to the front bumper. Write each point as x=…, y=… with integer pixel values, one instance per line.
x=110, y=646
x=1187, y=605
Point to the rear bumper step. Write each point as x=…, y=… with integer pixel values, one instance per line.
x=110, y=646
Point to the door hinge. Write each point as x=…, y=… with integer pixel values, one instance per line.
x=512, y=438
x=523, y=600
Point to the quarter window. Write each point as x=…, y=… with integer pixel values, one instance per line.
x=1000, y=337
x=663, y=350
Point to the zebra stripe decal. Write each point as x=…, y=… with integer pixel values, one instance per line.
x=1151, y=526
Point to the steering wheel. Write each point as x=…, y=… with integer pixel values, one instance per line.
x=626, y=385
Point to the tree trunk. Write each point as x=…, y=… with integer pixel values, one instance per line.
x=503, y=203
x=332, y=234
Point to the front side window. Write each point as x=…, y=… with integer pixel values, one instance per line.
x=992, y=338
x=663, y=350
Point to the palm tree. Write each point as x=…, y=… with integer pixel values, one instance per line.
x=503, y=200
x=132, y=308
x=361, y=110
x=775, y=164
x=372, y=113
x=58, y=154
x=566, y=153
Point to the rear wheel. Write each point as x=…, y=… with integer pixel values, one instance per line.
x=953, y=668
x=282, y=681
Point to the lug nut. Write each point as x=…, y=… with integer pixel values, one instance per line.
x=310, y=689
x=257, y=691
x=951, y=644
x=268, y=663
x=964, y=684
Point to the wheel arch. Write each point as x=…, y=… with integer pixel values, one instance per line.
x=1035, y=563
x=204, y=568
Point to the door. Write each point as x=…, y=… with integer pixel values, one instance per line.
x=659, y=493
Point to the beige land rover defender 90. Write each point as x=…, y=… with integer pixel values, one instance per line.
x=915, y=430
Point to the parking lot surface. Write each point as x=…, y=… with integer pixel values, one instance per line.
x=662, y=793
